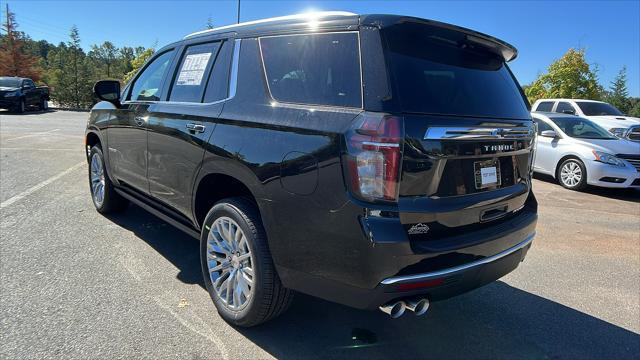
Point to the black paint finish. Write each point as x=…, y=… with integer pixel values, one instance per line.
x=289, y=156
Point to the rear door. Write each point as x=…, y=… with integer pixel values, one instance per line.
x=127, y=131
x=546, y=149
x=468, y=131
x=180, y=127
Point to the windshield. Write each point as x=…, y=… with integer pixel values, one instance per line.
x=10, y=82
x=597, y=108
x=581, y=128
x=437, y=72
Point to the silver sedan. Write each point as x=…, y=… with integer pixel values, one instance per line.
x=578, y=152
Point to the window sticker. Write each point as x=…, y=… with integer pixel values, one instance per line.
x=193, y=68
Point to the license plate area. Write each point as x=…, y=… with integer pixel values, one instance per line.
x=487, y=173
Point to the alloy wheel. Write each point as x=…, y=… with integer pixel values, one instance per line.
x=229, y=263
x=97, y=180
x=571, y=174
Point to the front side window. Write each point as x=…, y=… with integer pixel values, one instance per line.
x=545, y=106
x=565, y=108
x=148, y=86
x=317, y=69
x=597, y=108
x=191, y=79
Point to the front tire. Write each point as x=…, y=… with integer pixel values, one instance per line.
x=237, y=267
x=44, y=105
x=105, y=198
x=572, y=174
x=21, y=107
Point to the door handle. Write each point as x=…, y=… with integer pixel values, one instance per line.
x=139, y=121
x=195, y=127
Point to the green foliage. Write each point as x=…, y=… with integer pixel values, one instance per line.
x=634, y=104
x=618, y=95
x=15, y=58
x=138, y=62
x=568, y=77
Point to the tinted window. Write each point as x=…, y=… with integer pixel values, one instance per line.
x=437, y=71
x=542, y=126
x=191, y=78
x=9, y=82
x=29, y=83
x=581, y=128
x=321, y=69
x=148, y=86
x=545, y=106
x=596, y=108
x=564, y=106
x=218, y=85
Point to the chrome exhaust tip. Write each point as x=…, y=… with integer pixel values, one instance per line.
x=394, y=309
x=418, y=306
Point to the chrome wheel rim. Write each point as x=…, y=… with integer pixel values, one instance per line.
x=571, y=174
x=97, y=180
x=229, y=263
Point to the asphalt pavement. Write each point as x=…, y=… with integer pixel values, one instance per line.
x=76, y=284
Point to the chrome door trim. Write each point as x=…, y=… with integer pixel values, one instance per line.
x=478, y=133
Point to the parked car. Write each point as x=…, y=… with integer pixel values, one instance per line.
x=601, y=113
x=18, y=94
x=377, y=161
x=577, y=151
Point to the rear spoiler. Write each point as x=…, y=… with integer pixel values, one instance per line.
x=501, y=48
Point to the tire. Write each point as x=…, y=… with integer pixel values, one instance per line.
x=21, y=107
x=99, y=183
x=266, y=297
x=44, y=105
x=572, y=174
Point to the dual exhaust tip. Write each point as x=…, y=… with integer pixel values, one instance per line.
x=398, y=308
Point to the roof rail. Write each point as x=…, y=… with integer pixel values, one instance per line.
x=308, y=15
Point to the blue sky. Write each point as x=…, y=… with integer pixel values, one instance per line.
x=541, y=30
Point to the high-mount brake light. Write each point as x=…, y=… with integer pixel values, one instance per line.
x=374, y=145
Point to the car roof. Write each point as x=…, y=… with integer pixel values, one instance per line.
x=342, y=20
x=585, y=100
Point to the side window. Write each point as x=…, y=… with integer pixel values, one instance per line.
x=148, y=86
x=319, y=69
x=218, y=85
x=545, y=106
x=542, y=126
x=29, y=83
x=193, y=71
x=565, y=106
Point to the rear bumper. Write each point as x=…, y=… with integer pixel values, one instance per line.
x=437, y=268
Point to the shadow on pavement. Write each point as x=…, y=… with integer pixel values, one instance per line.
x=496, y=321
x=632, y=195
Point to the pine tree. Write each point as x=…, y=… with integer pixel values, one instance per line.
x=618, y=94
x=14, y=60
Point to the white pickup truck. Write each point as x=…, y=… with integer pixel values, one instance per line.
x=601, y=113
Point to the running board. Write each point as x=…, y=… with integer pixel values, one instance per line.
x=159, y=214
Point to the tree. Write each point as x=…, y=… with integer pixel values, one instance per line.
x=568, y=77
x=138, y=62
x=634, y=109
x=105, y=55
x=209, y=23
x=14, y=60
x=618, y=95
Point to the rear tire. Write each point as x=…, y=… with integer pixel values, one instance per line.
x=260, y=294
x=105, y=198
x=572, y=174
x=44, y=105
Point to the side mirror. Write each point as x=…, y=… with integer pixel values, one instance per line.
x=108, y=90
x=570, y=112
x=549, y=133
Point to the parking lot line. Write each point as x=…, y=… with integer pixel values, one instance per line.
x=34, y=134
x=39, y=186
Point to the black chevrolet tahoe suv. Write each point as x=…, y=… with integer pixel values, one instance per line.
x=376, y=161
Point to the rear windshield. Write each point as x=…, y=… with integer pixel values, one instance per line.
x=436, y=71
x=598, y=108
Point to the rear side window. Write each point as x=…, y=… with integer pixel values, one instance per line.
x=565, y=107
x=437, y=71
x=148, y=86
x=190, y=80
x=319, y=69
x=218, y=85
x=545, y=106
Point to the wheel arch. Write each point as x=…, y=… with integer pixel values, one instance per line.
x=563, y=159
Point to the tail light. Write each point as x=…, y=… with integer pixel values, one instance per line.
x=374, y=155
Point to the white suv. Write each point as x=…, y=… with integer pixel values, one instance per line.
x=601, y=113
